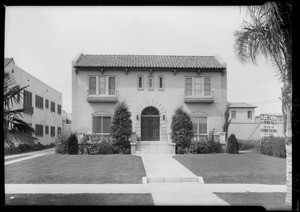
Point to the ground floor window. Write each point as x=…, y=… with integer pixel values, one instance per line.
x=52, y=131
x=58, y=130
x=39, y=130
x=101, y=124
x=199, y=126
x=47, y=130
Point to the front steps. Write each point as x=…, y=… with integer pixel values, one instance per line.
x=154, y=147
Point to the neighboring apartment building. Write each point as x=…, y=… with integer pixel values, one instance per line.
x=153, y=87
x=42, y=104
x=242, y=112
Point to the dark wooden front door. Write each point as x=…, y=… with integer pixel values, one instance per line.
x=150, y=124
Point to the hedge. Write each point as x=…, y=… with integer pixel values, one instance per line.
x=273, y=146
x=232, y=145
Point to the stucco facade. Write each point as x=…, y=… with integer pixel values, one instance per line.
x=38, y=116
x=165, y=100
x=244, y=113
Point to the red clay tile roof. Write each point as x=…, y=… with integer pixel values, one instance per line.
x=148, y=61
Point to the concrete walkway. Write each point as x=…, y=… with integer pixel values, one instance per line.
x=164, y=168
x=30, y=155
x=162, y=193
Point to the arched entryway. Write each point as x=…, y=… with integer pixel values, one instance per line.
x=150, y=124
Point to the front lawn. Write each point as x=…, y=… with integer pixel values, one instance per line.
x=270, y=201
x=17, y=157
x=248, y=167
x=78, y=199
x=80, y=169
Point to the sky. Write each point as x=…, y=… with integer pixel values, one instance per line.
x=44, y=40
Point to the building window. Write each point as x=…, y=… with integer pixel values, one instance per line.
x=199, y=125
x=188, y=86
x=92, y=86
x=39, y=102
x=58, y=109
x=249, y=114
x=198, y=86
x=39, y=130
x=47, y=103
x=101, y=124
x=27, y=98
x=233, y=114
x=47, y=130
x=111, y=86
x=53, y=107
x=161, y=83
x=102, y=85
x=52, y=131
x=140, y=83
x=58, y=130
x=150, y=83
x=207, y=86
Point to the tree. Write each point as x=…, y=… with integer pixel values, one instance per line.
x=121, y=128
x=182, y=128
x=227, y=121
x=269, y=34
x=15, y=129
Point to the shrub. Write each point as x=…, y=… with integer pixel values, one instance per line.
x=72, y=145
x=232, y=145
x=121, y=128
x=60, y=145
x=247, y=144
x=180, y=150
x=273, y=146
x=11, y=150
x=101, y=145
x=182, y=128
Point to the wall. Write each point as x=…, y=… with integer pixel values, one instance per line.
x=166, y=101
x=39, y=116
x=242, y=115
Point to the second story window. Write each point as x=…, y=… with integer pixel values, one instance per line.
x=249, y=114
x=150, y=83
x=111, y=86
x=53, y=107
x=140, y=83
x=161, y=83
x=102, y=85
x=47, y=103
x=39, y=102
x=198, y=86
x=92, y=86
x=27, y=98
x=58, y=109
x=233, y=114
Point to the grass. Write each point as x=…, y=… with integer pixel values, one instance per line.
x=236, y=168
x=78, y=199
x=270, y=201
x=77, y=169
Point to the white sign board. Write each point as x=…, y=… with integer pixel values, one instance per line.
x=268, y=126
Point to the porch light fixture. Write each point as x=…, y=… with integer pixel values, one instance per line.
x=164, y=118
x=137, y=117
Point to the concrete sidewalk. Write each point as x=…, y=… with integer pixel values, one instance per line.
x=162, y=193
x=164, y=168
x=30, y=155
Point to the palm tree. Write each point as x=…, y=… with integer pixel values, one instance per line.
x=269, y=34
x=15, y=129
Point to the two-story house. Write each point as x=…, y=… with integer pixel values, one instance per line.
x=242, y=112
x=42, y=104
x=153, y=86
